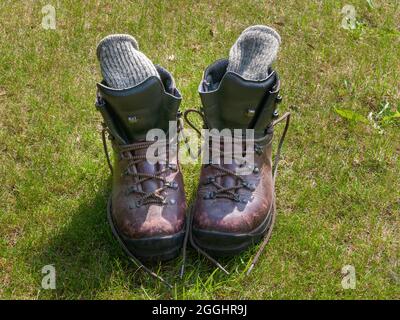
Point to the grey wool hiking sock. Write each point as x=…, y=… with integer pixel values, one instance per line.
x=122, y=64
x=254, y=52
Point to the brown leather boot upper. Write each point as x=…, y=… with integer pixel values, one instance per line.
x=148, y=200
x=228, y=202
x=243, y=209
x=153, y=207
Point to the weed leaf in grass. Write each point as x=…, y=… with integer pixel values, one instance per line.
x=391, y=117
x=351, y=115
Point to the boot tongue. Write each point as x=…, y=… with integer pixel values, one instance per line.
x=134, y=111
x=234, y=102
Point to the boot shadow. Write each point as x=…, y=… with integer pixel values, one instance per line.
x=86, y=256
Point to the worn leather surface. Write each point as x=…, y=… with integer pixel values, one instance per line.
x=226, y=215
x=152, y=219
x=152, y=107
x=226, y=97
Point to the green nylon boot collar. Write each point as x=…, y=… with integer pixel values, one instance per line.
x=130, y=113
x=230, y=101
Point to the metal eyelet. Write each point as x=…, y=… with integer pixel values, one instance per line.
x=173, y=167
x=100, y=102
x=210, y=195
x=249, y=186
x=258, y=149
x=256, y=170
x=210, y=180
x=171, y=184
x=209, y=163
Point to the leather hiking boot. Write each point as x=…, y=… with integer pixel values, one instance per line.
x=233, y=208
x=146, y=209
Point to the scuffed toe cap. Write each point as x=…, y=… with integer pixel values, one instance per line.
x=224, y=215
x=153, y=224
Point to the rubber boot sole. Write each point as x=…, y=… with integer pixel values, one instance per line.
x=223, y=244
x=150, y=249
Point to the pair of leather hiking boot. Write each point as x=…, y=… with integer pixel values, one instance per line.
x=147, y=209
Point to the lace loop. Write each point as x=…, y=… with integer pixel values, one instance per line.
x=103, y=138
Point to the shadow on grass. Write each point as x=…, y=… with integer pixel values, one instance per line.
x=90, y=264
x=87, y=258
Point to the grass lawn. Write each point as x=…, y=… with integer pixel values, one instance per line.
x=338, y=186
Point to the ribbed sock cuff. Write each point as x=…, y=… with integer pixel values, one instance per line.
x=254, y=52
x=122, y=64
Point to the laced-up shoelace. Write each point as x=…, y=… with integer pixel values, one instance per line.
x=128, y=152
x=230, y=192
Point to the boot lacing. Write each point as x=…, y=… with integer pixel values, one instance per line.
x=228, y=192
x=149, y=196
x=267, y=236
x=128, y=152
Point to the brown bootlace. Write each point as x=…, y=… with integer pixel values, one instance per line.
x=127, y=151
x=221, y=191
x=228, y=192
x=146, y=197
